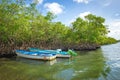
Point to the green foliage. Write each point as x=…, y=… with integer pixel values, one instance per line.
x=90, y=30
x=50, y=16
x=20, y=23
x=107, y=40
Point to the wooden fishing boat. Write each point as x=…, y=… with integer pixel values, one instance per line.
x=35, y=55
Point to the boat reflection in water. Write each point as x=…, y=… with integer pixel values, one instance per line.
x=35, y=62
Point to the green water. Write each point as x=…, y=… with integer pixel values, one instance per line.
x=101, y=64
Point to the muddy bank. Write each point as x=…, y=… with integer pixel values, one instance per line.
x=9, y=50
x=79, y=47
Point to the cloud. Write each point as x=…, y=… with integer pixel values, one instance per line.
x=107, y=4
x=117, y=15
x=115, y=23
x=38, y=1
x=114, y=28
x=82, y=15
x=54, y=8
x=82, y=1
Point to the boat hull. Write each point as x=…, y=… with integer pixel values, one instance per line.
x=37, y=57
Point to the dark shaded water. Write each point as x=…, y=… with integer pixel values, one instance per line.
x=101, y=64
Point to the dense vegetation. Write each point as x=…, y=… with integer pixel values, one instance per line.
x=24, y=26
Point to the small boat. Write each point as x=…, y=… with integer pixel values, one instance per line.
x=58, y=52
x=35, y=55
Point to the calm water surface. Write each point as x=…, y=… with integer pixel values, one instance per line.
x=101, y=64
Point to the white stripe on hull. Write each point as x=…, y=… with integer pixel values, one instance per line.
x=63, y=56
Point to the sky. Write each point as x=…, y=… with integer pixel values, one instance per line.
x=68, y=10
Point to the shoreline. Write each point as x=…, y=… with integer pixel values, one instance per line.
x=9, y=51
